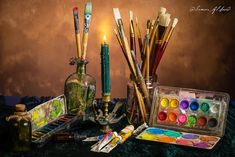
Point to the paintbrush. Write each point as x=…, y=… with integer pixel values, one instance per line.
x=164, y=20
x=139, y=36
x=77, y=31
x=152, y=35
x=87, y=20
x=123, y=50
x=147, y=55
x=162, y=10
x=146, y=46
x=131, y=58
x=163, y=47
x=123, y=38
x=132, y=33
x=141, y=104
x=152, y=27
x=141, y=82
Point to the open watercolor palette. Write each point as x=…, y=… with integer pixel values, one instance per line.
x=187, y=117
x=49, y=118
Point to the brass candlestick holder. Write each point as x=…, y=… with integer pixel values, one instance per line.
x=105, y=118
x=105, y=101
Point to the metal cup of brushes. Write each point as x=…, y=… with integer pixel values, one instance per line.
x=80, y=87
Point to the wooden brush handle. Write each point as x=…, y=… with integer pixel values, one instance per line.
x=140, y=102
x=128, y=53
x=78, y=43
x=147, y=63
x=85, y=41
x=141, y=81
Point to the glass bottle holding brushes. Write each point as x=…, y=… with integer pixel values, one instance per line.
x=80, y=87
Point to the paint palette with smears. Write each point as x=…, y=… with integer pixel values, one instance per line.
x=178, y=138
x=189, y=110
x=49, y=118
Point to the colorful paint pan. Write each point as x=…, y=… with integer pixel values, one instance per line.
x=192, y=120
x=164, y=102
x=202, y=121
x=182, y=118
x=162, y=116
x=205, y=107
x=172, y=117
x=194, y=106
x=49, y=118
x=191, y=111
x=184, y=104
x=212, y=122
x=214, y=109
x=174, y=103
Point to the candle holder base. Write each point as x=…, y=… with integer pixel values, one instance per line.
x=110, y=119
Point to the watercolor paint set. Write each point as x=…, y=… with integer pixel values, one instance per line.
x=189, y=117
x=49, y=118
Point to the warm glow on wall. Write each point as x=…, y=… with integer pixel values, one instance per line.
x=105, y=28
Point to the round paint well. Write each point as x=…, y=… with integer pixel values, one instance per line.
x=194, y=106
x=201, y=121
x=164, y=102
x=174, y=103
x=184, y=104
x=182, y=118
x=204, y=107
x=162, y=116
x=212, y=122
x=214, y=109
x=192, y=119
x=172, y=117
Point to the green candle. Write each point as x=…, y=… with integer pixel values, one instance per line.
x=105, y=68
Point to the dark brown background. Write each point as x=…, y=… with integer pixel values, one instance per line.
x=37, y=41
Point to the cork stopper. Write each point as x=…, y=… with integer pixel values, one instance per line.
x=20, y=107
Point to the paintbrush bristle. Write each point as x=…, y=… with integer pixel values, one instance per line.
x=168, y=19
x=117, y=14
x=164, y=19
x=88, y=8
x=175, y=21
x=162, y=10
x=131, y=15
x=75, y=10
x=136, y=20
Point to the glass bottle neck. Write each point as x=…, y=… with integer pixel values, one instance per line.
x=81, y=67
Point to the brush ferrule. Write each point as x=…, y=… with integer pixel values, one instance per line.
x=76, y=22
x=87, y=21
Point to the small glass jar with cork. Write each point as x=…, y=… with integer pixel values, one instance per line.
x=20, y=129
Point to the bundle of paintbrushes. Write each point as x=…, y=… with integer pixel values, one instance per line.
x=82, y=49
x=151, y=50
x=79, y=87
